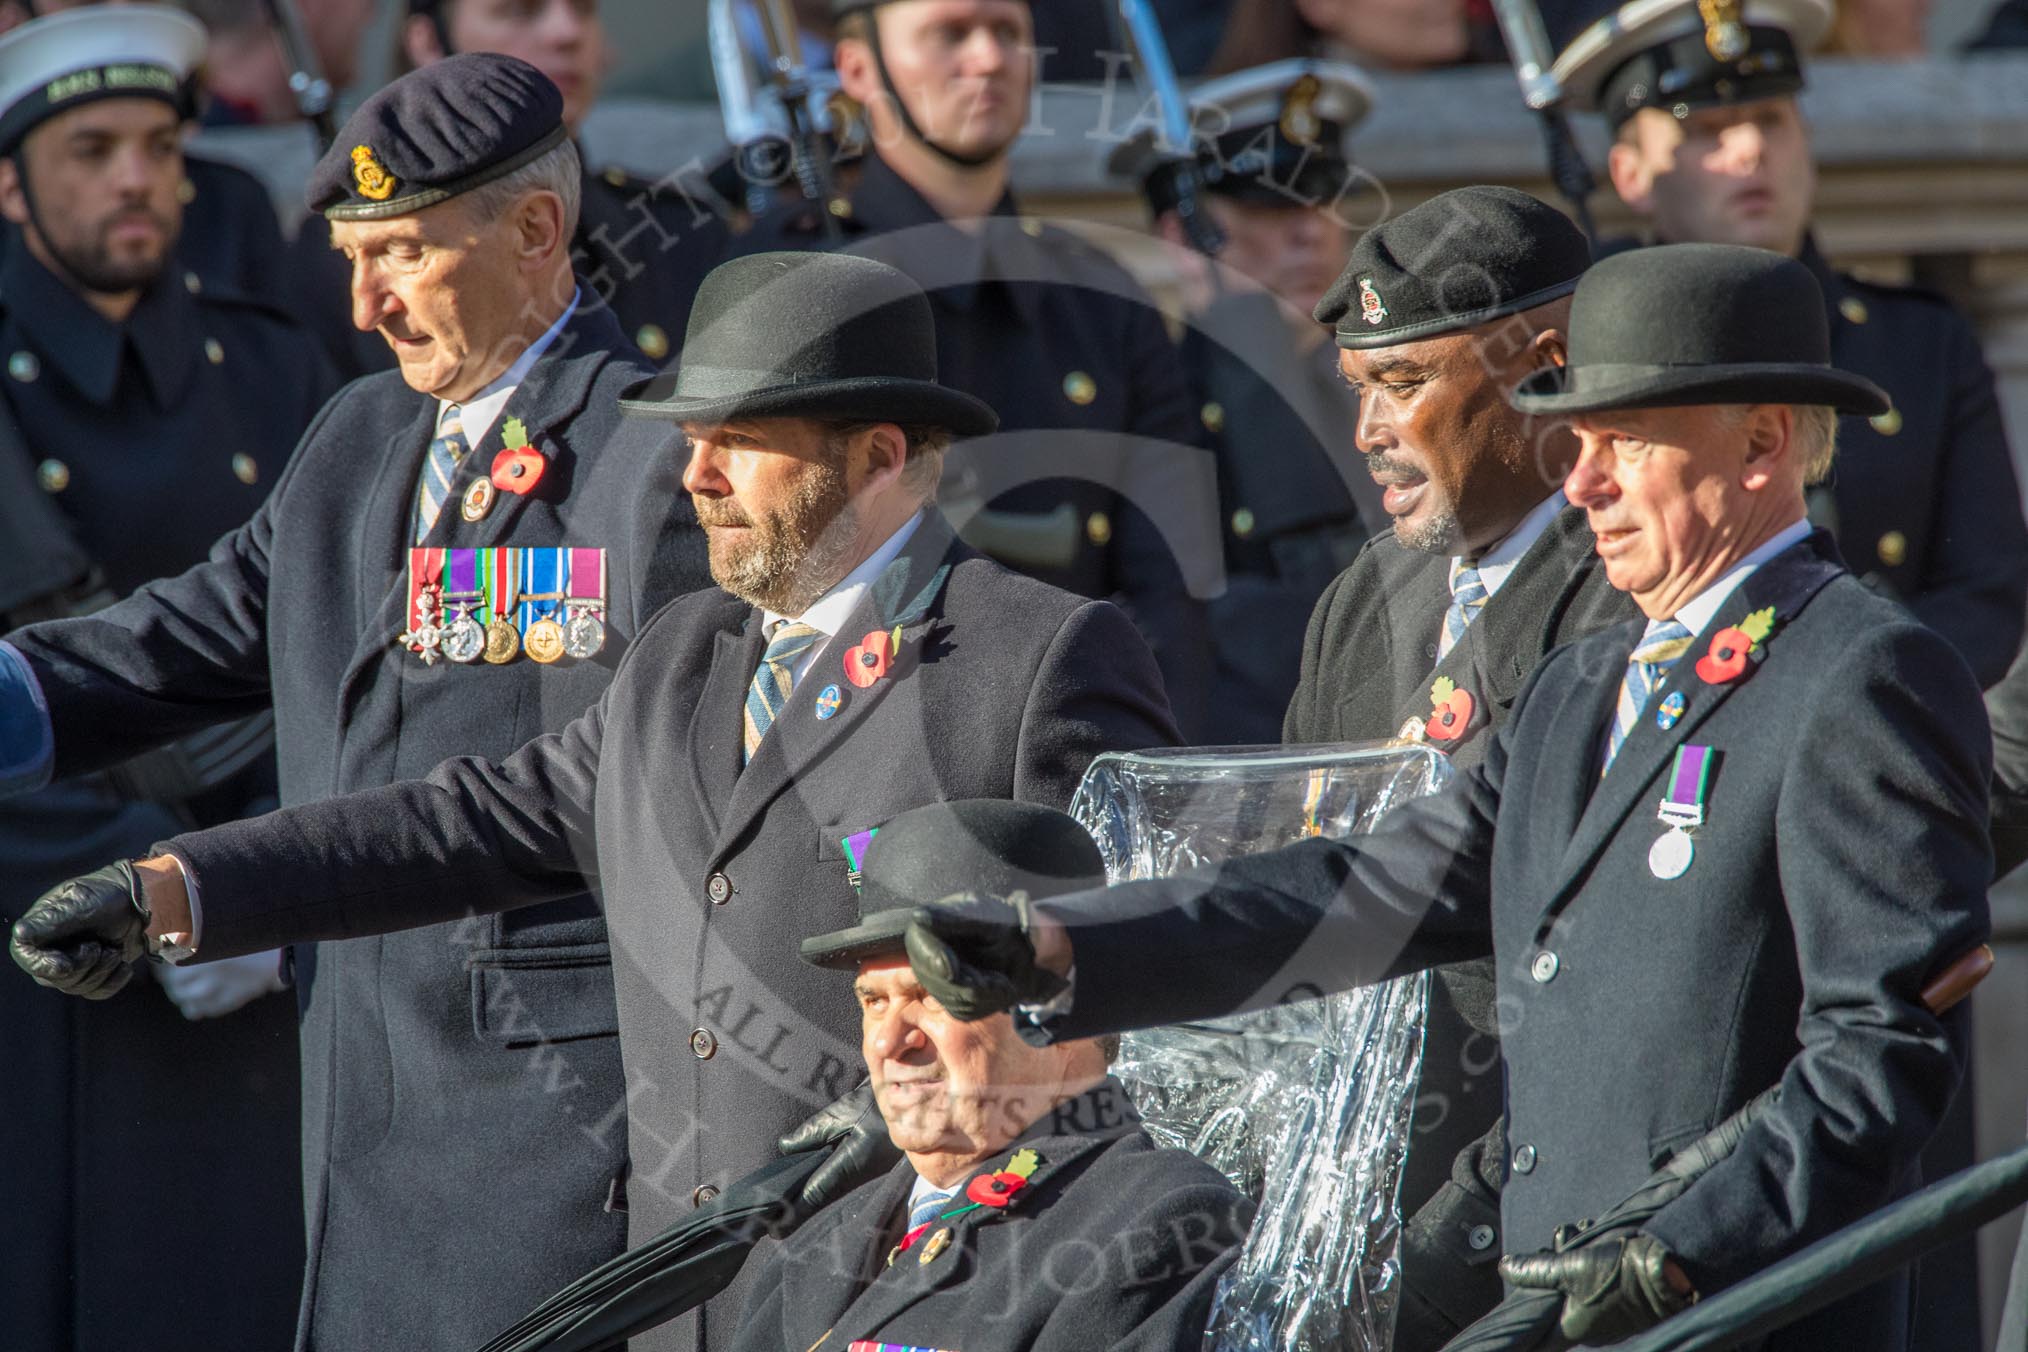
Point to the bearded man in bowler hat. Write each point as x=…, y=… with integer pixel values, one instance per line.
x=1090, y=1235
x=448, y=1070
x=1436, y=625
x=1711, y=852
x=858, y=661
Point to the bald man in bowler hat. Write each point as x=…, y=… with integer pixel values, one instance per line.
x=856, y=660
x=448, y=1070
x=1712, y=851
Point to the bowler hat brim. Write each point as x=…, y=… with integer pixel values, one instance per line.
x=880, y=933
x=1602, y=387
x=861, y=399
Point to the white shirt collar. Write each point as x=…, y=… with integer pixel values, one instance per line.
x=1496, y=563
x=478, y=414
x=1698, y=612
x=829, y=612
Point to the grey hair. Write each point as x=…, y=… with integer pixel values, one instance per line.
x=926, y=446
x=1816, y=440
x=558, y=171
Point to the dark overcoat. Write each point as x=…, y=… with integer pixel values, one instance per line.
x=133, y=449
x=1842, y=862
x=1114, y=1243
x=711, y=873
x=446, y=1070
x=1098, y=459
x=1369, y=661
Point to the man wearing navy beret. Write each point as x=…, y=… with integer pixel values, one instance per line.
x=1717, y=850
x=452, y=563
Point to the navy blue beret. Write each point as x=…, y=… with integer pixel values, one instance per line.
x=436, y=132
x=1463, y=258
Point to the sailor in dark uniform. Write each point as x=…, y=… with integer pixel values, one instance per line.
x=642, y=244
x=1710, y=146
x=1095, y=482
x=1295, y=500
x=127, y=445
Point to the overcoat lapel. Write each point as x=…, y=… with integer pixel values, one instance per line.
x=901, y=597
x=716, y=724
x=1786, y=582
x=383, y=552
x=849, y=1255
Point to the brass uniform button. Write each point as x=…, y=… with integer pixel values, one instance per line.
x=1079, y=388
x=186, y=191
x=213, y=352
x=53, y=475
x=703, y=1045
x=1886, y=424
x=1853, y=309
x=24, y=367
x=1242, y=522
x=1893, y=549
x=1098, y=528
x=652, y=341
x=1213, y=415
x=1031, y=227
x=841, y=207
x=192, y=283
x=615, y=176
x=244, y=469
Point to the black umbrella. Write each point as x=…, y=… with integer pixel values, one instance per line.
x=678, y=1270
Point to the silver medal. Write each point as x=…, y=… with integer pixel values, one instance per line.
x=1670, y=856
x=584, y=635
x=464, y=640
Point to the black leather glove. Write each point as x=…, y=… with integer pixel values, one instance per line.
x=81, y=937
x=1611, y=1290
x=974, y=955
x=861, y=1149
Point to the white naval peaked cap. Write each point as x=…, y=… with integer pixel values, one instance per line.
x=1583, y=66
x=51, y=64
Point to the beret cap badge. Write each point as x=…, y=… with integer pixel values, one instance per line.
x=1370, y=308
x=1725, y=35
x=1299, y=120
x=374, y=183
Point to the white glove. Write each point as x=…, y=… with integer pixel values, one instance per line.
x=209, y=990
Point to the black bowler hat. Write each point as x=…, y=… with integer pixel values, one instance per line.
x=1681, y=55
x=447, y=128
x=987, y=845
x=1681, y=324
x=809, y=335
x=1281, y=138
x=1463, y=258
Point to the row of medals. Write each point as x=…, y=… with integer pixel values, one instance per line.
x=464, y=638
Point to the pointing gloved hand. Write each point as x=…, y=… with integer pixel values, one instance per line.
x=861, y=1150
x=210, y=990
x=1611, y=1290
x=976, y=955
x=82, y=936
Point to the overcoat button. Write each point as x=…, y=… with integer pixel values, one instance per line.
x=1213, y=415
x=1080, y=388
x=244, y=468
x=1098, y=528
x=1524, y=1160
x=1853, y=309
x=1481, y=1237
x=53, y=475
x=718, y=887
x=653, y=341
x=24, y=367
x=1893, y=549
x=192, y=283
x=703, y=1045
x=1544, y=968
x=1243, y=522
x=703, y=1194
x=213, y=353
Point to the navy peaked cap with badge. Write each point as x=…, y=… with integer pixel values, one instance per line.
x=1681, y=324
x=53, y=64
x=1680, y=55
x=447, y=128
x=1463, y=258
x=810, y=335
x=990, y=845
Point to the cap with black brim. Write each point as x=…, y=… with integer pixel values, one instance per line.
x=64, y=61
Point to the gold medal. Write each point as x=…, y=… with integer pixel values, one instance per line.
x=503, y=642
x=544, y=641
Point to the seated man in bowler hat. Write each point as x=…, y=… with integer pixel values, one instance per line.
x=856, y=661
x=1710, y=853
x=1031, y=1211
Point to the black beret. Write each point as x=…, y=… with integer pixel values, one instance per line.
x=1461, y=259
x=447, y=128
x=985, y=845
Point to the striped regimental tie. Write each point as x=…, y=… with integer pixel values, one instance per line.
x=773, y=680
x=1647, y=667
x=440, y=470
x=1468, y=594
x=927, y=1209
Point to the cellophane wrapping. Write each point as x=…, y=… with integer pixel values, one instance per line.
x=1304, y=1106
